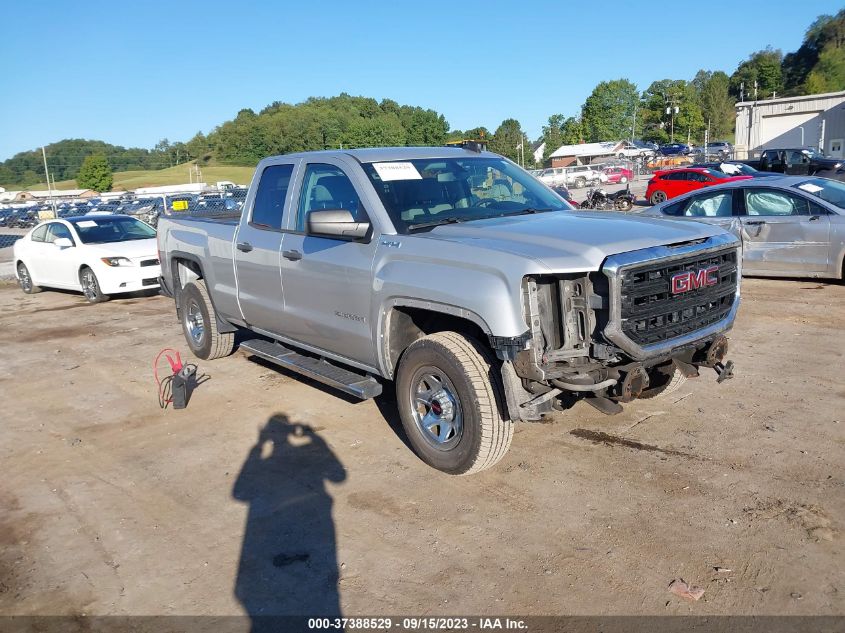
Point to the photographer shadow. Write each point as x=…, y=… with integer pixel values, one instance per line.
x=288, y=564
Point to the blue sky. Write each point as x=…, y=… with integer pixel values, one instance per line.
x=131, y=73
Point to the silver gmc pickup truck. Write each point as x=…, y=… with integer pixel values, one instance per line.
x=459, y=277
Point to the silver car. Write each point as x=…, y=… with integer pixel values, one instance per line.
x=789, y=225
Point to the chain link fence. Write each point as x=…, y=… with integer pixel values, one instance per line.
x=211, y=202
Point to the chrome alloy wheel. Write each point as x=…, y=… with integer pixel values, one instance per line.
x=436, y=408
x=194, y=323
x=24, y=279
x=89, y=285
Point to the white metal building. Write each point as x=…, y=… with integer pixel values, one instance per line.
x=816, y=121
x=583, y=153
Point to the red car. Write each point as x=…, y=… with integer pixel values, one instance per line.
x=613, y=175
x=674, y=182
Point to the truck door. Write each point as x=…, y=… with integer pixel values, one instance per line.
x=328, y=281
x=258, y=245
x=783, y=232
x=797, y=163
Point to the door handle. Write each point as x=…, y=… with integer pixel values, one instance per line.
x=755, y=222
x=244, y=246
x=813, y=218
x=292, y=255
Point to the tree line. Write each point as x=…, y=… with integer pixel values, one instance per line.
x=614, y=110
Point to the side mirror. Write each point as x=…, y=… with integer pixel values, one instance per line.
x=336, y=223
x=63, y=242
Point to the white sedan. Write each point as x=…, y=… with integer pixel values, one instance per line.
x=99, y=255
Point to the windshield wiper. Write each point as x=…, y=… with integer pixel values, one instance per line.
x=527, y=211
x=428, y=225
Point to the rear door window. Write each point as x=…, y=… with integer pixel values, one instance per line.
x=270, y=197
x=713, y=205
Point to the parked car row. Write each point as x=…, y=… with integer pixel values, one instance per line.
x=580, y=176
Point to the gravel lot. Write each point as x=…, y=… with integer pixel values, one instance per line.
x=271, y=494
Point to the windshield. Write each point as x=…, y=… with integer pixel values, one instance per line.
x=109, y=229
x=717, y=174
x=427, y=192
x=831, y=191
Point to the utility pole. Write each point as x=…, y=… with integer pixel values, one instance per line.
x=755, y=90
x=742, y=91
x=47, y=177
x=634, y=124
x=672, y=109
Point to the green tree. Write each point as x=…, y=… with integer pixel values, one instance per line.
x=828, y=75
x=95, y=174
x=561, y=130
x=826, y=33
x=658, y=125
x=608, y=112
x=762, y=67
x=506, y=138
x=717, y=105
x=383, y=130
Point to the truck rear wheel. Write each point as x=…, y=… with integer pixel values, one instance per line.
x=450, y=403
x=199, y=324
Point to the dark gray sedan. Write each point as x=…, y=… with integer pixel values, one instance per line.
x=789, y=225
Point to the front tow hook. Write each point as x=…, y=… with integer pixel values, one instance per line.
x=724, y=371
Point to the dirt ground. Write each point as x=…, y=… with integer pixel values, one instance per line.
x=271, y=494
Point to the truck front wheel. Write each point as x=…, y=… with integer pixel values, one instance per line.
x=450, y=402
x=663, y=381
x=199, y=323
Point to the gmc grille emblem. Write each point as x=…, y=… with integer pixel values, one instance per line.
x=692, y=279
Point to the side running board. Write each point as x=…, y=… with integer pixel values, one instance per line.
x=358, y=385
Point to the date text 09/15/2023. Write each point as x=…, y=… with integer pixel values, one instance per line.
x=417, y=623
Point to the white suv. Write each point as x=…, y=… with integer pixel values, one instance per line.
x=553, y=176
x=579, y=176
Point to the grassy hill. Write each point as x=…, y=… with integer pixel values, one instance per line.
x=125, y=180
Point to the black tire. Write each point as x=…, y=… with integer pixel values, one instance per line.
x=657, y=197
x=580, y=182
x=91, y=286
x=623, y=179
x=25, y=280
x=662, y=384
x=584, y=205
x=624, y=205
x=476, y=436
x=199, y=324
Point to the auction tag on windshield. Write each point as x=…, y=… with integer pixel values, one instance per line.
x=810, y=187
x=86, y=224
x=396, y=171
x=180, y=205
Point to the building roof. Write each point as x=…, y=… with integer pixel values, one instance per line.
x=57, y=193
x=825, y=95
x=587, y=149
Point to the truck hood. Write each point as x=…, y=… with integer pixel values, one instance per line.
x=565, y=242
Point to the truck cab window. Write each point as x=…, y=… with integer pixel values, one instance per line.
x=270, y=197
x=326, y=187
